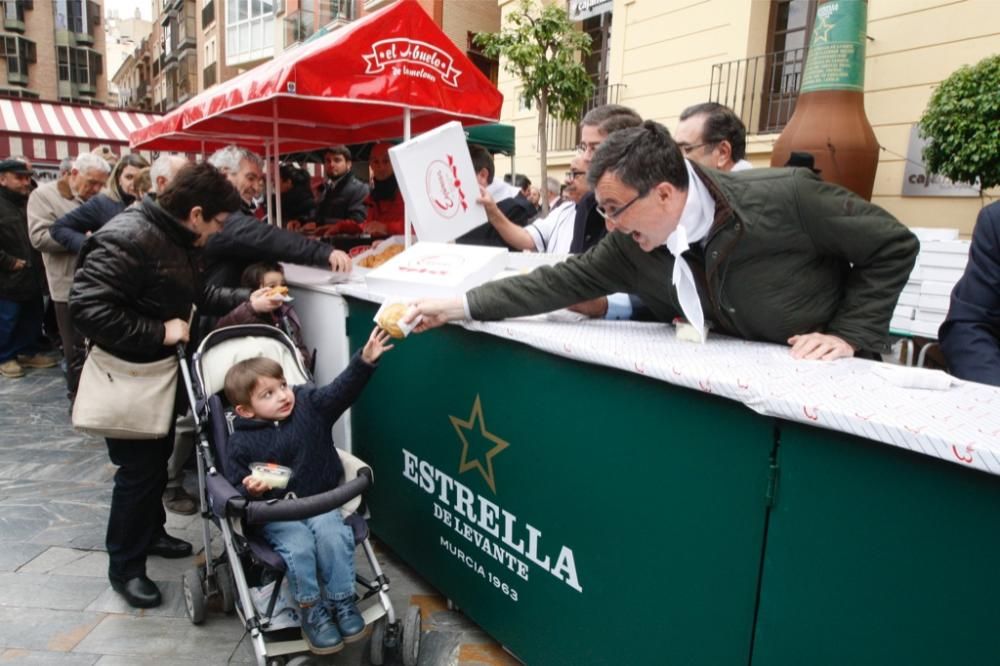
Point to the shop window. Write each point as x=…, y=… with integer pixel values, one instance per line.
x=249, y=30
x=19, y=53
x=13, y=13
x=80, y=66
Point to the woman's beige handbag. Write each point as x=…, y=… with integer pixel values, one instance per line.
x=124, y=400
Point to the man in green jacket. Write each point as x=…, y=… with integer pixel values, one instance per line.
x=775, y=255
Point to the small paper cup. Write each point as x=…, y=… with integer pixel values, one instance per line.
x=276, y=476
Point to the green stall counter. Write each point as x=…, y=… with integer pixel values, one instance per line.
x=876, y=555
x=579, y=514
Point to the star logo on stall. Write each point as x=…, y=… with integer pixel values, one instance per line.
x=821, y=31
x=479, y=446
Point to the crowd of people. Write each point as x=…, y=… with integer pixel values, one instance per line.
x=137, y=258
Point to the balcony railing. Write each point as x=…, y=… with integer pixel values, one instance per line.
x=335, y=10
x=299, y=26
x=565, y=134
x=761, y=90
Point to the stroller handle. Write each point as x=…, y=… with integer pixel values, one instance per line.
x=259, y=513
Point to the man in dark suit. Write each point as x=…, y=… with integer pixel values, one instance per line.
x=344, y=194
x=517, y=209
x=970, y=336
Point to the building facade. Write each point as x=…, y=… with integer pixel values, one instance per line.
x=196, y=44
x=123, y=36
x=660, y=56
x=53, y=50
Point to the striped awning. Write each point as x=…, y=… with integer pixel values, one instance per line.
x=46, y=132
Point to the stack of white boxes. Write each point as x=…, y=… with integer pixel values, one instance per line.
x=924, y=302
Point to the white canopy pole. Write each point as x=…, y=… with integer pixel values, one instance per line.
x=267, y=183
x=406, y=214
x=277, y=168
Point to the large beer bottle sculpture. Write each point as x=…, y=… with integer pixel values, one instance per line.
x=829, y=120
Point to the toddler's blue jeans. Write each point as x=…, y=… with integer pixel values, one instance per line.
x=319, y=555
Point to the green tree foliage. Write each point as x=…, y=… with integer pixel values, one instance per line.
x=542, y=47
x=962, y=125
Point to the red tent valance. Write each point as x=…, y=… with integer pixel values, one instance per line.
x=349, y=86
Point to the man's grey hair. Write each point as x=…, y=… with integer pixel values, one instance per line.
x=90, y=162
x=228, y=159
x=65, y=164
x=552, y=185
x=641, y=158
x=610, y=118
x=166, y=166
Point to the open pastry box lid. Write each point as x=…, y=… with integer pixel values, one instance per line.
x=436, y=270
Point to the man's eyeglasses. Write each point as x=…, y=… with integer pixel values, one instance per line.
x=572, y=174
x=584, y=147
x=687, y=148
x=615, y=212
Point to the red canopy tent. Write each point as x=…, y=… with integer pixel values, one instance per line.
x=387, y=73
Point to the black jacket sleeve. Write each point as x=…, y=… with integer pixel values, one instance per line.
x=970, y=336
x=244, y=237
x=217, y=300
x=102, y=302
x=71, y=229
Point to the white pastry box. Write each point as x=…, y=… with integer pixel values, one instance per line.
x=436, y=270
x=439, y=185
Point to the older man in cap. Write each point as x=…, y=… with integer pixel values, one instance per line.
x=21, y=278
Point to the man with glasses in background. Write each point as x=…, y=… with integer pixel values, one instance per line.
x=597, y=124
x=774, y=255
x=713, y=136
x=553, y=233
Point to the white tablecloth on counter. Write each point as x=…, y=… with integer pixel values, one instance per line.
x=960, y=424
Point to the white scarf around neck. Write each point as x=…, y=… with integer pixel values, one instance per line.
x=695, y=221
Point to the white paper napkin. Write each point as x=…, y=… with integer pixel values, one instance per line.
x=918, y=378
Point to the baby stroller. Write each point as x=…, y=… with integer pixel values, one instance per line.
x=247, y=559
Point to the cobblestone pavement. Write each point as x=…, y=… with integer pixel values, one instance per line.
x=56, y=606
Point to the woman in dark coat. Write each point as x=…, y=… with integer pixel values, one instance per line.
x=132, y=295
x=71, y=229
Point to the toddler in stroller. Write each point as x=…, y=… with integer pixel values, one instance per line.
x=310, y=542
x=292, y=428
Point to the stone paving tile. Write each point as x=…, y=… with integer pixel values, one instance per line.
x=133, y=660
x=165, y=638
x=15, y=555
x=40, y=591
x=36, y=658
x=45, y=628
x=172, y=592
x=14, y=490
x=20, y=524
x=69, y=562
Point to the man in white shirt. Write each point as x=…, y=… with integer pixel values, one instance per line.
x=552, y=234
x=713, y=136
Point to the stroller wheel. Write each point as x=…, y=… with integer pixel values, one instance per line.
x=410, y=645
x=194, y=596
x=377, y=651
x=227, y=590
